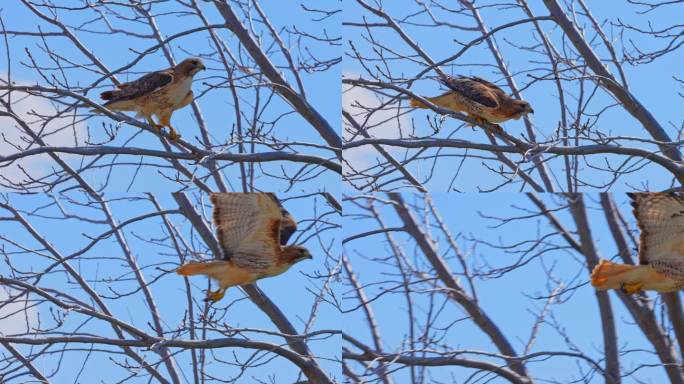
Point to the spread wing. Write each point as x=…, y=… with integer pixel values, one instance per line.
x=475, y=89
x=248, y=228
x=140, y=87
x=660, y=217
x=288, y=225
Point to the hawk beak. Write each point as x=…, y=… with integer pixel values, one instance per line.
x=202, y=67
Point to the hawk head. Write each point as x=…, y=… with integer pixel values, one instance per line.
x=296, y=253
x=191, y=66
x=521, y=108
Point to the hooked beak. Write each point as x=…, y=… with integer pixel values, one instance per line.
x=202, y=67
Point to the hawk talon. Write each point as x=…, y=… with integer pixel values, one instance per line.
x=154, y=125
x=215, y=295
x=631, y=288
x=173, y=135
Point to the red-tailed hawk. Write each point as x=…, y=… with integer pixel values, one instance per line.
x=158, y=93
x=252, y=230
x=660, y=217
x=479, y=99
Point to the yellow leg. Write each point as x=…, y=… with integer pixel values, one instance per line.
x=166, y=122
x=632, y=288
x=153, y=124
x=482, y=121
x=472, y=117
x=479, y=120
x=215, y=295
x=173, y=134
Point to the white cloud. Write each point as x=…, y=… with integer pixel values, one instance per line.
x=16, y=318
x=382, y=124
x=61, y=131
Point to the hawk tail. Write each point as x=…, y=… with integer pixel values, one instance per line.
x=211, y=268
x=609, y=275
x=414, y=103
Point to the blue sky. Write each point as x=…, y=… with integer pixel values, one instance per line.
x=652, y=84
x=105, y=261
x=507, y=299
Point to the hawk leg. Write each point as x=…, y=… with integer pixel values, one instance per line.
x=216, y=269
x=151, y=122
x=215, y=295
x=479, y=120
x=473, y=117
x=632, y=288
x=165, y=121
x=483, y=122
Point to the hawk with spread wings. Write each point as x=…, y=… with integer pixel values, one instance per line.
x=479, y=99
x=252, y=230
x=158, y=93
x=660, y=217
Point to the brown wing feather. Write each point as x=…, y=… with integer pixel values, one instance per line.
x=660, y=217
x=248, y=228
x=475, y=89
x=488, y=84
x=260, y=251
x=140, y=87
x=288, y=225
x=233, y=219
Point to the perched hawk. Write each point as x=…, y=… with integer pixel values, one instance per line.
x=479, y=99
x=157, y=93
x=252, y=229
x=660, y=217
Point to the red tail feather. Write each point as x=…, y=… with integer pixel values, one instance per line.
x=193, y=269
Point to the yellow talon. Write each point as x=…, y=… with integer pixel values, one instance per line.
x=215, y=295
x=482, y=122
x=173, y=135
x=632, y=288
x=154, y=125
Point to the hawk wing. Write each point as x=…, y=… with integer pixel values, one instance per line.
x=475, y=89
x=288, y=225
x=140, y=87
x=660, y=217
x=248, y=228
